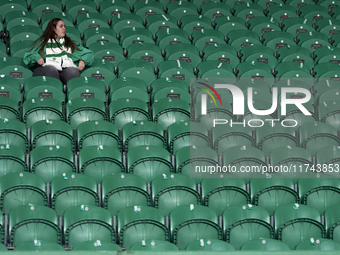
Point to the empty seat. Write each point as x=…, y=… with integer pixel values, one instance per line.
x=48, y=161
x=22, y=188
x=97, y=133
x=321, y=244
x=120, y=191
x=87, y=223
x=12, y=159
x=144, y=133
x=35, y=245
x=181, y=134
x=137, y=223
x=242, y=223
x=100, y=161
x=79, y=110
x=72, y=190
x=270, y=193
x=189, y=223
x=52, y=133
x=33, y=222
x=154, y=245
x=295, y=223
x=319, y=193
x=148, y=162
x=170, y=191
x=13, y=132
x=221, y=193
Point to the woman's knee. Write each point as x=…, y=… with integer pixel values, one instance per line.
x=68, y=74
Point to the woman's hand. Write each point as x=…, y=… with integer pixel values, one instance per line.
x=81, y=65
x=41, y=61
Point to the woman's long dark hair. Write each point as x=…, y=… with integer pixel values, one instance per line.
x=49, y=33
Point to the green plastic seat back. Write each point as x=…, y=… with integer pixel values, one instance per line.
x=52, y=133
x=73, y=190
x=137, y=223
x=124, y=190
x=148, y=162
x=12, y=159
x=22, y=188
x=242, y=223
x=295, y=223
x=170, y=191
x=50, y=161
x=221, y=193
x=188, y=223
x=33, y=222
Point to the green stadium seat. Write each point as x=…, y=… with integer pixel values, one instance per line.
x=327, y=156
x=176, y=69
x=192, y=23
x=100, y=34
x=247, y=11
x=183, y=52
x=171, y=191
x=67, y=18
x=189, y=160
x=213, y=10
x=13, y=132
x=221, y=193
x=169, y=36
x=271, y=193
x=226, y=136
x=48, y=161
x=33, y=222
x=10, y=5
x=110, y=51
x=147, y=8
x=168, y=111
x=22, y=188
x=44, y=86
x=156, y=22
x=100, y=72
x=242, y=223
x=148, y=162
x=123, y=20
x=314, y=12
x=181, y=134
x=295, y=223
x=223, y=53
x=137, y=223
x=293, y=160
x=52, y=133
x=319, y=193
x=96, y=133
x=216, y=69
x=133, y=35
x=12, y=159
x=189, y=223
x=259, y=53
x=39, y=7
x=142, y=133
x=109, y=9
x=15, y=18
x=87, y=223
x=274, y=136
x=181, y=8
x=226, y=24
x=79, y=110
x=91, y=20
x=70, y=190
x=74, y=7
x=145, y=51
x=137, y=68
x=317, y=135
x=244, y=157
x=43, y=108
x=100, y=161
x=281, y=12
x=297, y=25
x=120, y=191
x=123, y=111
x=262, y=25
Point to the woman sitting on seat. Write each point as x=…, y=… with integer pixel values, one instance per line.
x=57, y=55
